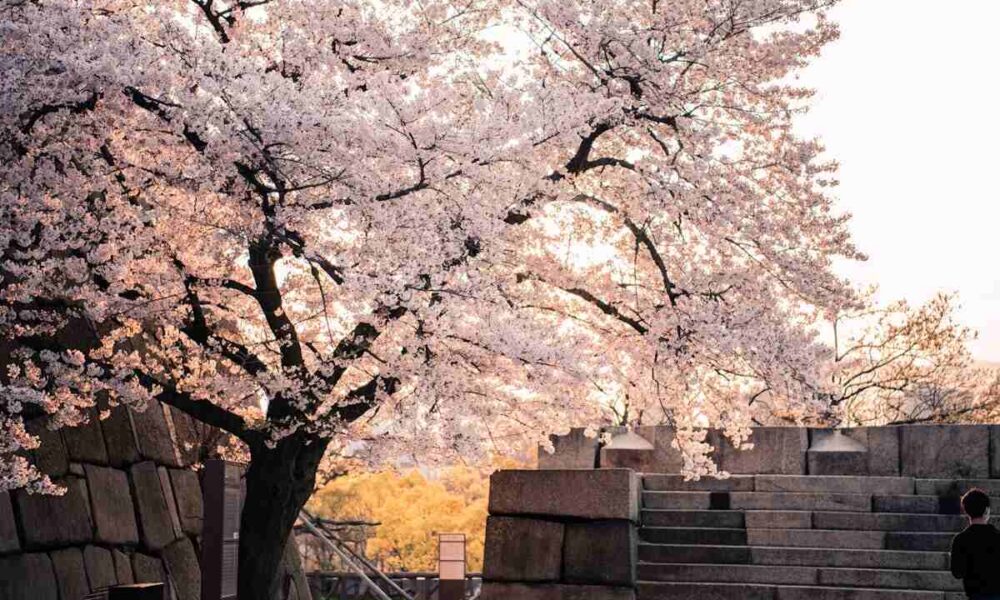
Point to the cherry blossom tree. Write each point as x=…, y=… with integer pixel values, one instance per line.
x=409, y=229
x=906, y=364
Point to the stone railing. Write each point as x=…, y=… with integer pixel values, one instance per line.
x=959, y=451
x=562, y=535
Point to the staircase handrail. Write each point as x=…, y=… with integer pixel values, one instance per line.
x=349, y=556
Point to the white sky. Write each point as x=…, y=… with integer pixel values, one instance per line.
x=907, y=102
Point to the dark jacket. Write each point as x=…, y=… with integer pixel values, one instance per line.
x=975, y=559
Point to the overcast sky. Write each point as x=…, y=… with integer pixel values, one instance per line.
x=907, y=102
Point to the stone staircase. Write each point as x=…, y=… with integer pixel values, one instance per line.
x=790, y=537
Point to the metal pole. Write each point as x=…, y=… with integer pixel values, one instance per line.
x=344, y=557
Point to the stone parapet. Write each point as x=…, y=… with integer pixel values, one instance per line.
x=924, y=451
x=594, y=495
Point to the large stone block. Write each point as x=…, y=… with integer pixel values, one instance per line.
x=154, y=512
x=187, y=436
x=154, y=435
x=85, y=442
x=71, y=575
x=119, y=437
x=522, y=549
x=123, y=567
x=168, y=496
x=54, y=521
x=100, y=567
x=959, y=451
x=518, y=591
x=187, y=493
x=183, y=569
x=50, y=457
x=28, y=577
x=8, y=526
x=572, y=451
x=598, y=494
x=883, y=449
x=111, y=503
x=148, y=569
x=776, y=451
x=600, y=553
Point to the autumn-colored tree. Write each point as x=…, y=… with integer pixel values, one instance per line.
x=366, y=228
x=411, y=509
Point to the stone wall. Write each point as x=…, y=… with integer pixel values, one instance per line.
x=561, y=535
x=927, y=451
x=132, y=512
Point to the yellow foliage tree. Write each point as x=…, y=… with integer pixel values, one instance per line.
x=411, y=508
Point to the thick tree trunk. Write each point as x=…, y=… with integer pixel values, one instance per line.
x=279, y=482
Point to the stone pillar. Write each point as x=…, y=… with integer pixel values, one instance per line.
x=562, y=534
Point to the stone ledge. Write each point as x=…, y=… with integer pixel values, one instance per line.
x=597, y=494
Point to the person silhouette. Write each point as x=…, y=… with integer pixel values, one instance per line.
x=975, y=552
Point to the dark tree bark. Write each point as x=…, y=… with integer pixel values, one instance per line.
x=279, y=481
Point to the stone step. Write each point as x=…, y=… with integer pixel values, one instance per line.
x=732, y=591
x=793, y=556
x=799, y=519
x=800, y=538
x=843, y=484
x=847, y=557
x=887, y=521
x=678, y=500
x=779, y=519
x=812, y=575
x=890, y=578
x=691, y=535
x=918, y=541
x=725, y=519
x=826, y=501
x=823, y=501
x=728, y=573
x=916, y=504
x=738, y=591
x=955, y=487
x=676, y=483
x=817, y=538
x=676, y=553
